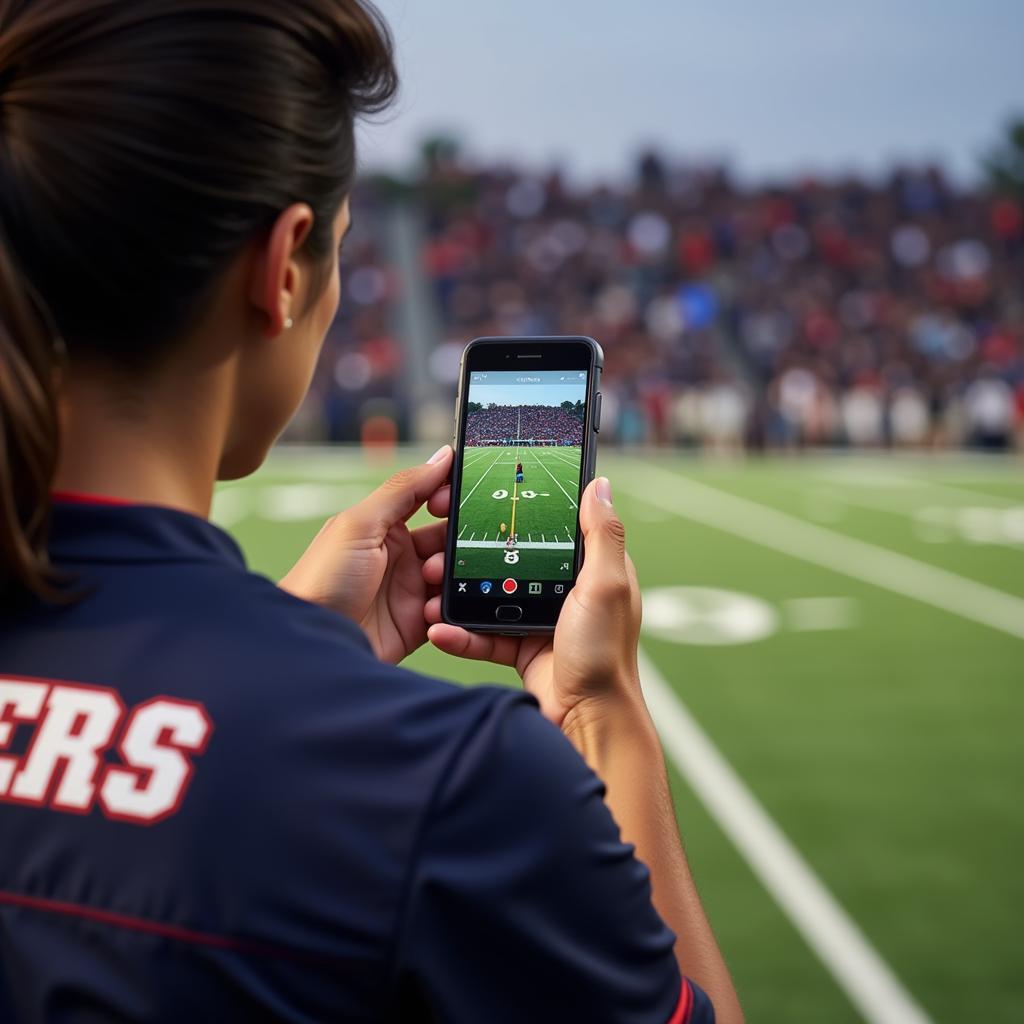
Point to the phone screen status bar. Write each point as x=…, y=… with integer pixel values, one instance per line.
x=542, y=377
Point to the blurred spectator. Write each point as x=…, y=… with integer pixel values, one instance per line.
x=990, y=408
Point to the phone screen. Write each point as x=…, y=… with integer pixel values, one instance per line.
x=523, y=455
x=519, y=494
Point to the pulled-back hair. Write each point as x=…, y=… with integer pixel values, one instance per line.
x=143, y=143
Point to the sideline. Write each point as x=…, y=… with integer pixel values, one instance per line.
x=861, y=973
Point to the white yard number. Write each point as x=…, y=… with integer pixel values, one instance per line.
x=528, y=494
x=511, y=557
x=498, y=495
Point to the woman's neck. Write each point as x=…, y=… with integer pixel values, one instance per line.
x=158, y=445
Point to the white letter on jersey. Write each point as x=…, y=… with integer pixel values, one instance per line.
x=19, y=702
x=78, y=726
x=154, y=746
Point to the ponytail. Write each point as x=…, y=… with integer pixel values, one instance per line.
x=28, y=439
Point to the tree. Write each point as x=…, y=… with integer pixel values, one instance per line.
x=1005, y=164
x=474, y=406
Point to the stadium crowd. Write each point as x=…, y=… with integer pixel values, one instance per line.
x=523, y=424
x=812, y=312
x=808, y=313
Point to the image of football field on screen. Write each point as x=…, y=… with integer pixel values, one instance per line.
x=519, y=497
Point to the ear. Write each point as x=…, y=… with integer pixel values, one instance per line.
x=277, y=276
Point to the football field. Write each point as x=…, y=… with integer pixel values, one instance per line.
x=833, y=652
x=540, y=512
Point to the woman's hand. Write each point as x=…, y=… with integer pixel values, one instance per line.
x=368, y=565
x=590, y=662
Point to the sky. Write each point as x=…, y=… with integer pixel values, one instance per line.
x=504, y=389
x=775, y=87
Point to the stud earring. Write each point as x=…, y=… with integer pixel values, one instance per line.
x=288, y=323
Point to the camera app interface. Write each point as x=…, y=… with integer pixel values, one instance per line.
x=519, y=496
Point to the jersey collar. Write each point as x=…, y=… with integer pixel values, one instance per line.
x=86, y=528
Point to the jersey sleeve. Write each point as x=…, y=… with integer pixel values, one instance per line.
x=524, y=902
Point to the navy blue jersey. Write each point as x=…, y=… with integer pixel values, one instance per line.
x=217, y=804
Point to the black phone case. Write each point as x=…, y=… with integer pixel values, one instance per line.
x=588, y=458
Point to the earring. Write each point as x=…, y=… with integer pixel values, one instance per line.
x=288, y=323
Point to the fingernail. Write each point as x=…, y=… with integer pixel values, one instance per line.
x=604, y=490
x=438, y=455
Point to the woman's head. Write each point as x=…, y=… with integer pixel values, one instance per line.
x=149, y=149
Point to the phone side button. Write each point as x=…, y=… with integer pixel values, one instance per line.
x=508, y=613
x=597, y=413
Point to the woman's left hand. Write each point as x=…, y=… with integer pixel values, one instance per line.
x=368, y=565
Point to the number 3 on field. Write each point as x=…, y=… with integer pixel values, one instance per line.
x=511, y=557
x=498, y=495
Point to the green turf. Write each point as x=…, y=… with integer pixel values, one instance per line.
x=887, y=747
x=541, y=511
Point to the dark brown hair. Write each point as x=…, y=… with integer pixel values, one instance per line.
x=143, y=143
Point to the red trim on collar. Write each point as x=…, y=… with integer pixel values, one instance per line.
x=81, y=498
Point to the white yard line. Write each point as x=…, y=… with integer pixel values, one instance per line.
x=909, y=500
x=479, y=454
x=830, y=932
x=551, y=545
x=558, y=485
x=463, y=530
x=863, y=478
x=478, y=483
x=828, y=549
x=575, y=463
x=968, y=495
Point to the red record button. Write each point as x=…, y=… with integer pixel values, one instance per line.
x=509, y=586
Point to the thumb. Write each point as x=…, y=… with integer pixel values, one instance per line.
x=402, y=494
x=603, y=531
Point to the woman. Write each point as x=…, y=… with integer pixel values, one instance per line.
x=219, y=799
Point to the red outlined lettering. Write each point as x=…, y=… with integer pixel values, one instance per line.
x=155, y=747
x=65, y=760
x=21, y=701
x=76, y=724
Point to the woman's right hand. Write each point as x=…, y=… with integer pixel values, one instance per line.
x=589, y=665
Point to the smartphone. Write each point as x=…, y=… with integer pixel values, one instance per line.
x=526, y=422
